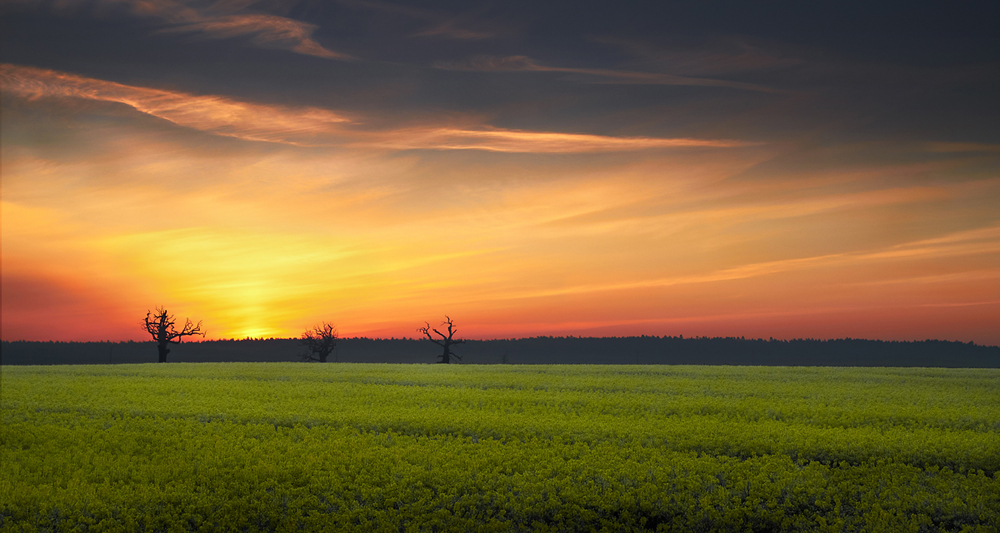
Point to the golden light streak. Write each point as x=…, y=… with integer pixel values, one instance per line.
x=954, y=277
x=963, y=304
x=948, y=246
x=515, y=141
x=638, y=216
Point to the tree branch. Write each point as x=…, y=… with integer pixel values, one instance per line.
x=320, y=340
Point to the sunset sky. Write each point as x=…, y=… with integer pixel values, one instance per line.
x=758, y=169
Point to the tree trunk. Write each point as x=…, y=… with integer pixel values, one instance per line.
x=162, y=348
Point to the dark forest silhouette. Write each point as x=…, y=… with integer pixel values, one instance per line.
x=538, y=350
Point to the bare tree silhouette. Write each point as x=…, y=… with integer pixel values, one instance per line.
x=161, y=327
x=445, y=341
x=320, y=341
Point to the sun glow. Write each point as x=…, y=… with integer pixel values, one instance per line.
x=226, y=210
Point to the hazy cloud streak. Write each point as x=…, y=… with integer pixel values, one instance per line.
x=517, y=141
x=268, y=31
x=218, y=20
x=311, y=126
x=965, y=243
x=526, y=64
x=213, y=114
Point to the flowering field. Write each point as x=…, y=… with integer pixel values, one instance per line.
x=293, y=446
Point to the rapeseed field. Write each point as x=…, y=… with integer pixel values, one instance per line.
x=369, y=447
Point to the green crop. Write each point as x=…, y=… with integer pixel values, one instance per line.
x=292, y=447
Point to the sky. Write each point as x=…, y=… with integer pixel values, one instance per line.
x=779, y=169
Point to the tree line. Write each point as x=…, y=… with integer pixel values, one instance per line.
x=321, y=343
x=319, y=340
x=640, y=350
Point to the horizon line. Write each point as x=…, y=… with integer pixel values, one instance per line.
x=508, y=339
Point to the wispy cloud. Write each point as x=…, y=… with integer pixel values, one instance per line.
x=954, y=277
x=971, y=242
x=266, y=31
x=659, y=210
x=218, y=20
x=484, y=63
x=962, y=304
x=517, y=141
x=526, y=64
x=213, y=114
x=965, y=243
x=311, y=126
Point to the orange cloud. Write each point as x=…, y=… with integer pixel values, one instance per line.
x=311, y=126
x=647, y=211
x=268, y=31
x=218, y=20
x=981, y=241
x=519, y=141
x=213, y=114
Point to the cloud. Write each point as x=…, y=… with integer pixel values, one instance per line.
x=212, y=114
x=311, y=126
x=518, y=141
x=963, y=243
x=953, y=277
x=451, y=30
x=169, y=11
x=491, y=64
x=526, y=64
x=268, y=31
x=962, y=304
x=974, y=242
x=218, y=20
